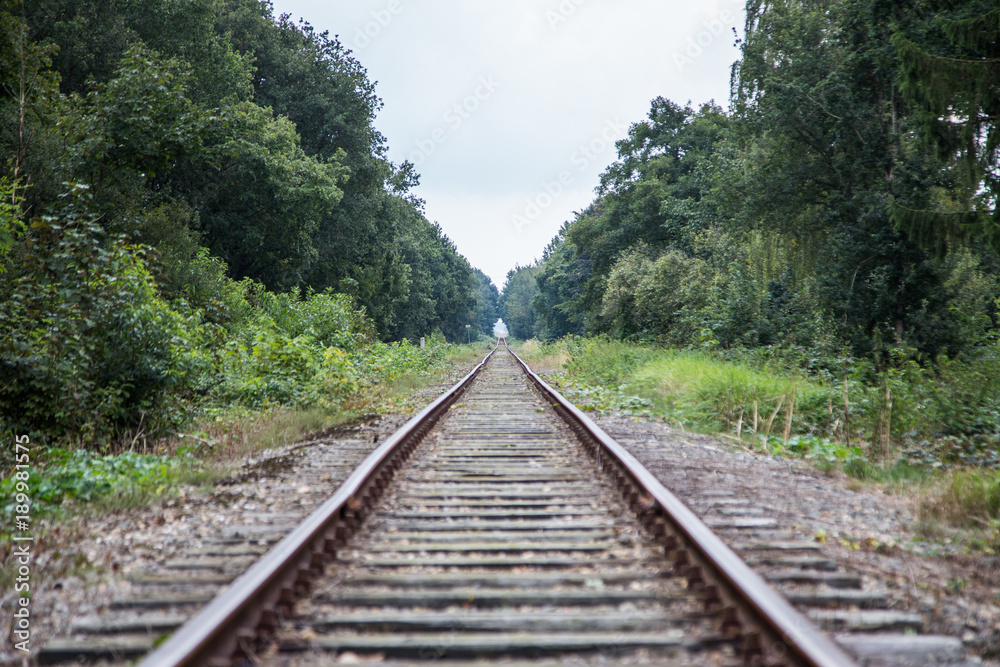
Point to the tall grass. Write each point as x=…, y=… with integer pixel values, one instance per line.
x=722, y=393
x=931, y=413
x=900, y=427
x=968, y=497
x=704, y=390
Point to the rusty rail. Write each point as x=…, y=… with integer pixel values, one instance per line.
x=231, y=626
x=773, y=632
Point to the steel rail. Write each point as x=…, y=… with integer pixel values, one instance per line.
x=774, y=632
x=229, y=627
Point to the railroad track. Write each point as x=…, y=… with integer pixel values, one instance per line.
x=516, y=530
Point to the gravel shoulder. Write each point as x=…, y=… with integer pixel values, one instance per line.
x=865, y=530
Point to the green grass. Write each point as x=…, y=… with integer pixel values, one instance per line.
x=696, y=390
x=707, y=392
x=932, y=412
x=898, y=474
x=967, y=497
x=714, y=392
x=102, y=482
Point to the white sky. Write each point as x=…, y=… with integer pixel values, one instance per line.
x=511, y=109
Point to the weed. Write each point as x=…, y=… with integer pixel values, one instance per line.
x=967, y=497
x=113, y=481
x=818, y=450
x=900, y=473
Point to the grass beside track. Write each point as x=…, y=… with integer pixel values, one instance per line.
x=779, y=409
x=67, y=483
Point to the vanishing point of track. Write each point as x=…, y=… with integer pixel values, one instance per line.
x=500, y=523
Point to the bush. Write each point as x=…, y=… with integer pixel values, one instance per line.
x=274, y=368
x=84, y=476
x=327, y=319
x=91, y=351
x=271, y=368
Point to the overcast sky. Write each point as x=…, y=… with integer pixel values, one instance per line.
x=510, y=110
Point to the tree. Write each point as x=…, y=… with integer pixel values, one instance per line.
x=486, y=311
x=313, y=79
x=515, y=301
x=91, y=349
x=212, y=122
x=652, y=194
x=560, y=286
x=955, y=90
x=441, y=284
x=821, y=149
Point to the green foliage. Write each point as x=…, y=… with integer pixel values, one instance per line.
x=661, y=297
x=516, y=307
x=212, y=122
x=820, y=451
x=267, y=199
x=772, y=225
x=442, y=289
x=11, y=225
x=269, y=368
x=761, y=243
x=560, y=286
x=312, y=351
x=326, y=319
x=487, y=309
x=96, y=353
x=837, y=410
x=234, y=240
x=92, y=350
x=137, y=125
x=84, y=476
x=954, y=85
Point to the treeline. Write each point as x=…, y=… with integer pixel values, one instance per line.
x=191, y=191
x=211, y=123
x=845, y=206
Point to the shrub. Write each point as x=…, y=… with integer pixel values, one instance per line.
x=91, y=351
x=325, y=318
x=269, y=368
x=85, y=476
